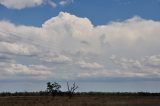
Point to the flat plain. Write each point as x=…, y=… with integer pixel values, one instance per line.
x=81, y=100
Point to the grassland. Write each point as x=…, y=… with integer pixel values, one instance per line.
x=83, y=100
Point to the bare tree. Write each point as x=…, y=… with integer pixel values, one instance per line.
x=71, y=89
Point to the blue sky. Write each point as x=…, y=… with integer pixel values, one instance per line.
x=99, y=12
x=111, y=45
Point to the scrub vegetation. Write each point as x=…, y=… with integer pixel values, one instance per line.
x=53, y=96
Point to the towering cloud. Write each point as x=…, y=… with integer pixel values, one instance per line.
x=71, y=47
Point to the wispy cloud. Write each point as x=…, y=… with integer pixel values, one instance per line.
x=51, y=3
x=65, y=2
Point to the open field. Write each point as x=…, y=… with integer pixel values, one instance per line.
x=82, y=100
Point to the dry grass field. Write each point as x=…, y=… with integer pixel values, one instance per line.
x=81, y=100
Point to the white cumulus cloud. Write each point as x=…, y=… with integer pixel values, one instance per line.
x=88, y=65
x=55, y=58
x=20, y=71
x=83, y=47
x=17, y=49
x=20, y=4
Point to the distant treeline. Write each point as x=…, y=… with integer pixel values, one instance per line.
x=44, y=93
x=40, y=93
x=53, y=89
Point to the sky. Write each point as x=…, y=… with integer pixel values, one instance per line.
x=102, y=45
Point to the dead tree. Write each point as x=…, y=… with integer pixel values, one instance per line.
x=71, y=89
